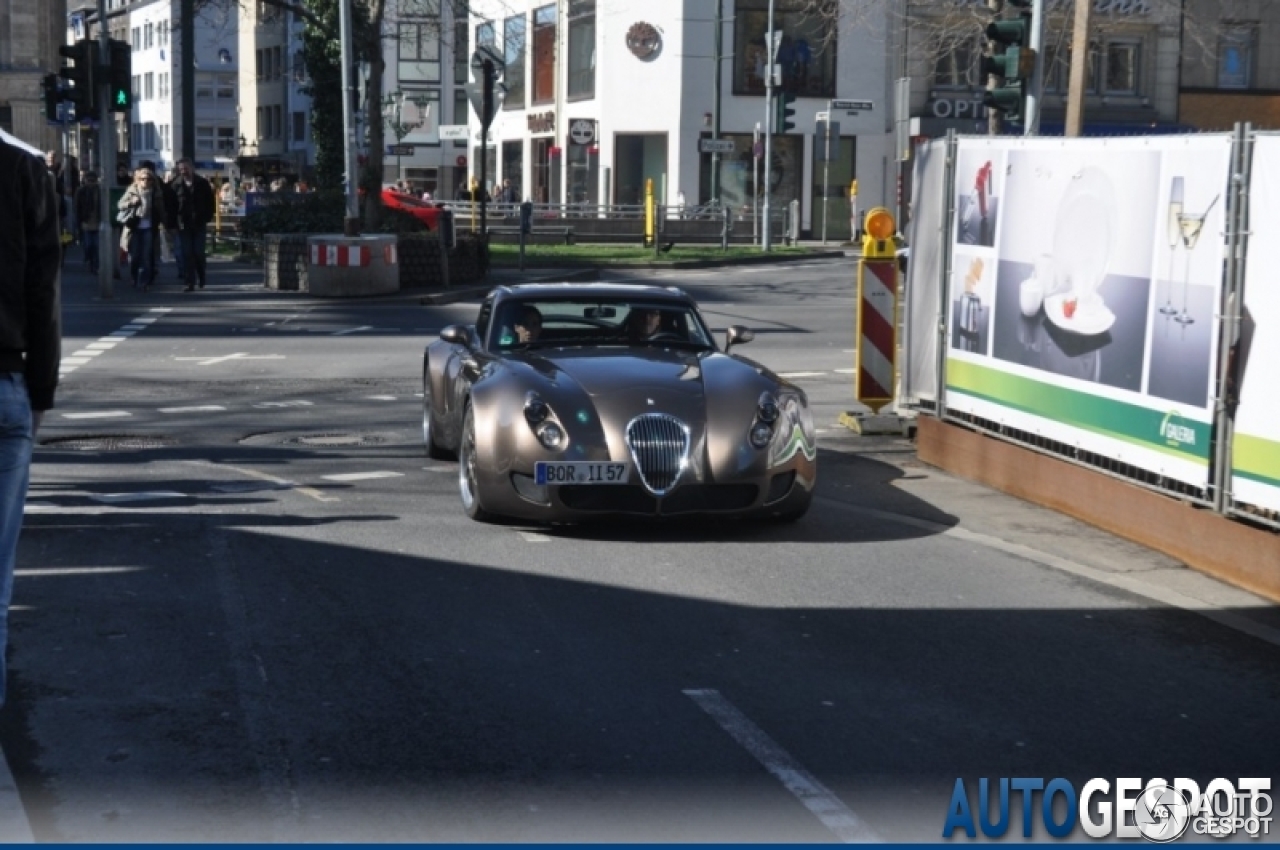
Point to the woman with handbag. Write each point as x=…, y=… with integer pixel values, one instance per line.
x=142, y=212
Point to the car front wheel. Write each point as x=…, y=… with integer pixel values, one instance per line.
x=467, y=487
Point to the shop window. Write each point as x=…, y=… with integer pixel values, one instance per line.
x=1124, y=67
x=582, y=49
x=807, y=51
x=1237, y=47
x=957, y=68
x=513, y=41
x=544, y=54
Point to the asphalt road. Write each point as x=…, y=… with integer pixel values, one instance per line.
x=248, y=608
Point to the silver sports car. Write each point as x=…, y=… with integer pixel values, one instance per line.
x=568, y=401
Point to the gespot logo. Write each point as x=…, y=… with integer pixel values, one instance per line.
x=1159, y=811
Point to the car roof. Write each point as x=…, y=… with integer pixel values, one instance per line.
x=593, y=290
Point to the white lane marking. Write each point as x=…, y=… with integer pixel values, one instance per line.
x=98, y=414
x=161, y=310
x=800, y=374
x=285, y=484
x=352, y=330
x=100, y=346
x=381, y=397
x=152, y=496
x=198, y=408
x=1131, y=583
x=66, y=370
x=75, y=361
x=845, y=371
x=142, y=320
x=119, y=336
x=239, y=355
x=132, y=327
x=85, y=352
x=439, y=468
x=534, y=537
x=262, y=405
x=57, y=572
x=361, y=476
x=815, y=796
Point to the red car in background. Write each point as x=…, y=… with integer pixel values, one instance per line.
x=427, y=212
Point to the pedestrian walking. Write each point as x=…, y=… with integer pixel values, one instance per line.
x=89, y=216
x=143, y=211
x=30, y=343
x=193, y=211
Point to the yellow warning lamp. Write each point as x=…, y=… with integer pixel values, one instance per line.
x=877, y=237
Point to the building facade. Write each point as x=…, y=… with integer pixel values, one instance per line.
x=30, y=34
x=273, y=137
x=1227, y=76
x=1132, y=76
x=603, y=97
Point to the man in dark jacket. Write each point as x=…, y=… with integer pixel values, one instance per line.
x=30, y=341
x=195, y=207
x=88, y=214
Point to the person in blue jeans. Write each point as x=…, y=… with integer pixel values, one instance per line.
x=144, y=199
x=30, y=342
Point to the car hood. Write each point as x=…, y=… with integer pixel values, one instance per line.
x=623, y=383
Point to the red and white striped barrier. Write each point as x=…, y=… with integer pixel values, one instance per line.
x=337, y=254
x=876, y=339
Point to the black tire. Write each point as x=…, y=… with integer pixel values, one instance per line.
x=432, y=448
x=467, y=489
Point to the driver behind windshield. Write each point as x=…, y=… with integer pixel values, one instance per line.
x=529, y=326
x=644, y=323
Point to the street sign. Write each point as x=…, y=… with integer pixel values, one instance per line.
x=488, y=51
x=715, y=146
x=400, y=150
x=453, y=132
x=475, y=93
x=852, y=105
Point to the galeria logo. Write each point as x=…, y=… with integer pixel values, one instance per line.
x=1174, y=432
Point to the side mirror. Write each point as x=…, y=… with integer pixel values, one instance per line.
x=456, y=334
x=737, y=335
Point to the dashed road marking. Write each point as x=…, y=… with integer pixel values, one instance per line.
x=98, y=414
x=361, y=476
x=806, y=787
x=152, y=496
x=298, y=402
x=534, y=537
x=801, y=374
x=352, y=330
x=381, y=397
x=57, y=572
x=225, y=358
x=197, y=408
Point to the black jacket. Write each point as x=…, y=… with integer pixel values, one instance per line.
x=31, y=255
x=194, y=204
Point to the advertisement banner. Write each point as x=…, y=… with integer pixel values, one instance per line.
x=1085, y=284
x=1255, y=460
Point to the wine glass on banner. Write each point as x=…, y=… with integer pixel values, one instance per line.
x=1174, y=225
x=1191, y=225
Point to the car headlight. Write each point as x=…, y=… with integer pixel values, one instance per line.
x=535, y=410
x=550, y=435
x=767, y=409
x=761, y=434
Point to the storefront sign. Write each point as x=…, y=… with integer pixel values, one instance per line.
x=542, y=122
x=958, y=107
x=582, y=131
x=644, y=40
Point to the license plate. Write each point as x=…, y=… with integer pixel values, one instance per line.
x=580, y=472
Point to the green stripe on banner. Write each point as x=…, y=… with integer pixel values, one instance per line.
x=1166, y=432
x=1256, y=458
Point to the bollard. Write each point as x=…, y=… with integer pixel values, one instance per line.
x=526, y=227
x=724, y=229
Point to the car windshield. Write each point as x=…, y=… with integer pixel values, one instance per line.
x=528, y=323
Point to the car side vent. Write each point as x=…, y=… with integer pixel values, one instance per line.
x=659, y=446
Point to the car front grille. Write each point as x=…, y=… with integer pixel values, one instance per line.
x=659, y=446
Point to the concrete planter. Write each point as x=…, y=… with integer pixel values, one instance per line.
x=352, y=266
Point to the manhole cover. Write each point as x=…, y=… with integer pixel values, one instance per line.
x=108, y=443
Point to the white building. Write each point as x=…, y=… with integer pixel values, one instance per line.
x=274, y=135
x=153, y=129
x=604, y=95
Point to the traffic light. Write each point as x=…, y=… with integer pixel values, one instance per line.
x=52, y=97
x=84, y=56
x=120, y=77
x=1010, y=59
x=784, y=116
